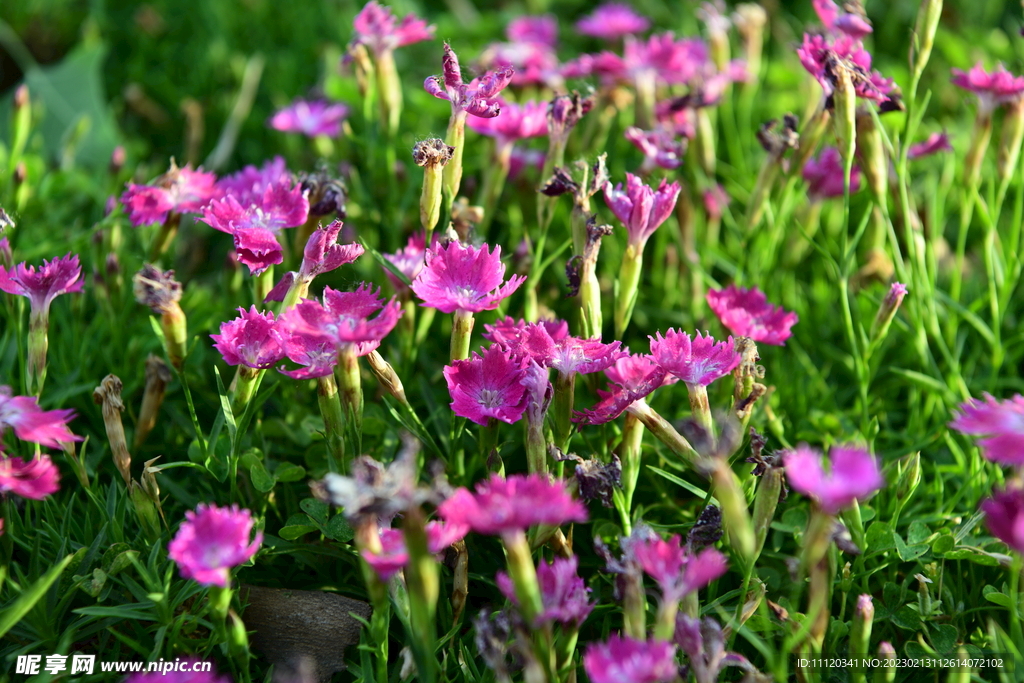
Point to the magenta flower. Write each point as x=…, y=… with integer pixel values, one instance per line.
x=468, y=279
x=661, y=147
x=853, y=474
x=612, y=20
x=542, y=30
x=563, y=593
x=836, y=21
x=321, y=255
x=394, y=556
x=549, y=344
x=825, y=175
x=185, y=674
x=936, y=142
x=249, y=340
x=36, y=478
x=640, y=208
x=1004, y=515
x=658, y=59
x=211, y=541
x=180, y=190
x=311, y=118
x=504, y=506
x=1000, y=422
x=992, y=89
x=635, y=377
x=379, y=30
x=677, y=571
x=409, y=260
x=344, y=318
x=30, y=423
x=55, y=277
x=250, y=184
x=515, y=122
x=316, y=354
x=478, y=97
x=530, y=51
x=817, y=51
x=700, y=361
x=487, y=386
x=625, y=659
x=521, y=336
x=715, y=201
x=747, y=313
x=522, y=158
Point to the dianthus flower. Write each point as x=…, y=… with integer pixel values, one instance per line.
x=504, y=506
x=515, y=122
x=30, y=423
x=825, y=175
x=641, y=208
x=311, y=118
x=321, y=255
x=487, y=386
x=935, y=143
x=853, y=474
x=816, y=52
x=836, y=21
x=394, y=555
x=211, y=541
x=992, y=89
x=563, y=593
x=344, y=318
x=715, y=201
x=464, y=278
x=549, y=344
x=661, y=147
x=625, y=659
x=409, y=260
x=316, y=354
x=479, y=97
x=530, y=51
x=542, y=29
x=1004, y=515
x=377, y=28
x=676, y=571
x=187, y=674
x=703, y=643
x=634, y=378
x=747, y=313
x=36, y=478
x=522, y=158
x=180, y=190
x=249, y=340
x=612, y=20
x=658, y=59
x=55, y=277
x=250, y=184
x=699, y=361
x=1000, y=422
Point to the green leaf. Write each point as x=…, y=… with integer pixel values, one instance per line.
x=317, y=509
x=138, y=611
x=290, y=533
x=908, y=552
x=338, y=529
x=262, y=480
x=1001, y=599
x=972, y=555
x=225, y=406
x=879, y=537
x=13, y=613
x=288, y=472
x=906, y=618
x=945, y=639
x=695, y=490
x=918, y=533
x=943, y=544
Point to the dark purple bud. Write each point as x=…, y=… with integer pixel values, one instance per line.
x=841, y=535
x=707, y=531
x=559, y=183
x=597, y=480
x=452, y=72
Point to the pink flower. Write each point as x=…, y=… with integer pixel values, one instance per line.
x=186, y=674
x=853, y=474
x=376, y=28
x=321, y=255
x=612, y=20
x=661, y=147
x=409, y=260
x=992, y=89
x=542, y=30
x=30, y=423
x=936, y=142
x=487, y=386
x=394, y=556
x=817, y=51
x=825, y=175
x=211, y=541
x=715, y=201
x=464, y=278
x=659, y=58
x=249, y=340
x=523, y=158
x=678, y=572
x=625, y=659
x=181, y=190
x=478, y=97
x=563, y=593
x=532, y=63
x=640, y=208
x=1004, y=515
x=851, y=24
x=700, y=361
x=501, y=506
x=635, y=377
x=1000, y=422
x=515, y=122
x=55, y=277
x=36, y=478
x=316, y=354
x=747, y=313
x=250, y=184
x=344, y=318
x=549, y=344
x=311, y=118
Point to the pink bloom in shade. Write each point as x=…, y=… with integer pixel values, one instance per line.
x=478, y=97
x=409, y=260
x=612, y=20
x=678, y=572
x=515, y=122
x=464, y=278
x=249, y=185
x=488, y=386
x=249, y=340
x=35, y=479
x=541, y=29
x=394, y=555
x=641, y=208
x=55, y=277
x=635, y=377
x=343, y=318
x=321, y=255
x=379, y=30
x=181, y=190
x=523, y=158
x=624, y=659
x=700, y=361
x=1004, y=515
x=211, y=541
x=715, y=201
x=311, y=118
x=824, y=175
x=1000, y=422
x=992, y=89
x=661, y=147
x=853, y=474
x=502, y=506
x=816, y=52
x=563, y=593
x=30, y=423
x=316, y=354
x=186, y=675
x=747, y=313
x=936, y=142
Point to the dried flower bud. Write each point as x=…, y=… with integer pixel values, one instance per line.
x=843, y=539
x=565, y=111
x=387, y=376
x=432, y=152
x=20, y=174
x=597, y=479
x=776, y=142
x=844, y=105
x=327, y=194
x=559, y=183
x=706, y=531
x=158, y=375
x=161, y=293
x=108, y=396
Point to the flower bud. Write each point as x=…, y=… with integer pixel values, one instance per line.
x=564, y=112
x=117, y=159
x=886, y=673
x=1009, y=143
x=927, y=24
x=146, y=510
x=909, y=477
x=769, y=493
x=860, y=632
x=108, y=396
x=844, y=101
x=887, y=311
x=750, y=20
x=157, y=377
x=387, y=377
x=161, y=293
x=433, y=155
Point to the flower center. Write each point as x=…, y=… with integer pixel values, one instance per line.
x=489, y=398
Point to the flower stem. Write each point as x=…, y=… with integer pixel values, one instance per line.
x=462, y=331
x=330, y=410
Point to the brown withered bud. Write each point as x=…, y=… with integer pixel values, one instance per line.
x=572, y=274
x=108, y=396
x=598, y=479
x=706, y=531
x=757, y=443
x=156, y=289
x=559, y=183
x=776, y=142
x=327, y=194
x=150, y=485
x=599, y=176
x=158, y=375
x=565, y=111
x=432, y=152
x=20, y=173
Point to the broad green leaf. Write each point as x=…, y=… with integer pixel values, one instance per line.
x=288, y=472
x=290, y=533
x=262, y=481
x=317, y=509
x=338, y=529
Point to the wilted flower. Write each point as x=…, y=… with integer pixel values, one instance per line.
x=379, y=30
x=747, y=313
x=458, y=278
x=477, y=97
x=30, y=423
x=180, y=190
x=563, y=593
x=704, y=644
x=625, y=659
x=697, y=361
x=374, y=490
x=853, y=474
x=249, y=340
x=311, y=118
x=634, y=377
x=211, y=541
x=936, y=142
x=1000, y=422
x=35, y=478
x=825, y=175
x=55, y=277
x=501, y=506
x=612, y=20
x=487, y=386
x=641, y=208
x=1004, y=515
x=992, y=89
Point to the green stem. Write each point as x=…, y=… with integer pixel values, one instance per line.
x=462, y=332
